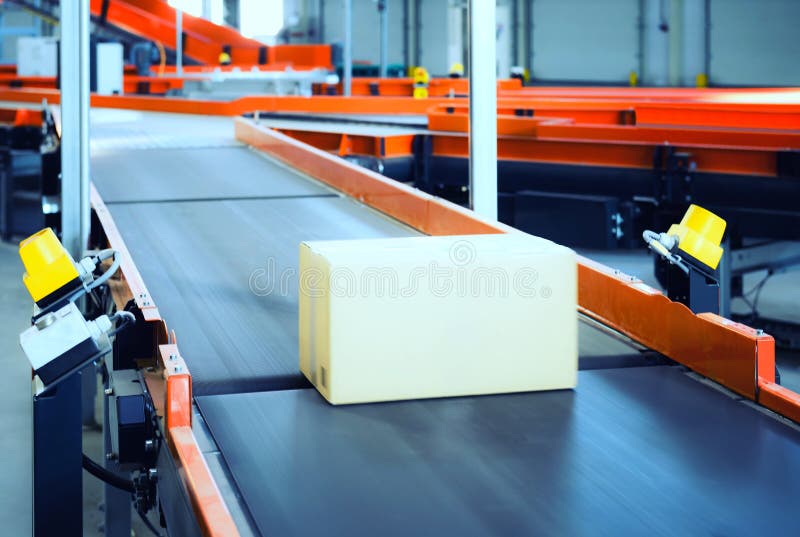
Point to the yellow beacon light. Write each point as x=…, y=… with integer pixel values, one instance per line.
x=700, y=234
x=50, y=272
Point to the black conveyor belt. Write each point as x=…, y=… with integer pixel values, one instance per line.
x=209, y=264
x=639, y=451
x=195, y=174
x=632, y=451
x=198, y=257
x=215, y=270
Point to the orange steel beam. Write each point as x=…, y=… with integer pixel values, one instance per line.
x=319, y=104
x=174, y=384
x=755, y=161
x=561, y=149
x=609, y=125
x=404, y=87
x=704, y=114
x=389, y=146
x=203, y=40
x=730, y=353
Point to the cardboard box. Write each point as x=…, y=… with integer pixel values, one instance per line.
x=423, y=317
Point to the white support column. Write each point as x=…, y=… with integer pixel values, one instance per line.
x=75, y=125
x=483, y=107
x=347, y=67
x=178, y=42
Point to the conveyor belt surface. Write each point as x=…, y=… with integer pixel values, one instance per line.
x=126, y=129
x=197, y=173
x=639, y=451
x=399, y=120
x=198, y=257
x=216, y=270
x=313, y=124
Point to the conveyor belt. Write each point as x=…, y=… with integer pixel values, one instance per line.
x=209, y=264
x=639, y=451
x=216, y=270
x=197, y=173
x=635, y=451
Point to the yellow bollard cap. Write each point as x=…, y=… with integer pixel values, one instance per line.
x=700, y=233
x=48, y=265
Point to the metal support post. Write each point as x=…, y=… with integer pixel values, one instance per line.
x=57, y=455
x=117, y=502
x=75, y=126
x=347, y=67
x=483, y=108
x=178, y=42
x=383, y=9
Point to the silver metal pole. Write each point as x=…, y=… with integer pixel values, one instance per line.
x=74, y=78
x=483, y=107
x=383, y=9
x=347, y=68
x=178, y=42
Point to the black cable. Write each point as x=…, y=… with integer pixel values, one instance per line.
x=149, y=524
x=756, y=292
x=127, y=318
x=105, y=475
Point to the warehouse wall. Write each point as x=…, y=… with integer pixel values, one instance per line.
x=583, y=40
x=752, y=42
x=755, y=42
x=15, y=23
x=366, y=29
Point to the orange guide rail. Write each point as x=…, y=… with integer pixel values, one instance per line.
x=729, y=353
x=175, y=384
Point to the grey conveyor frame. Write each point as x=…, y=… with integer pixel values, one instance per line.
x=639, y=449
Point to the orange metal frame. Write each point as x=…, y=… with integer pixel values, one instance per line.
x=390, y=146
x=732, y=354
x=173, y=383
x=404, y=87
x=618, y=138
x=203, y=40
x=736, y=356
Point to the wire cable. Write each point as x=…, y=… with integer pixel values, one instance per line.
x=105, y=276
x=107, y=476
x=126, y=317
x=149, y=524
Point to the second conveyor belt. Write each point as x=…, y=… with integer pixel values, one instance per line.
x=215, y=231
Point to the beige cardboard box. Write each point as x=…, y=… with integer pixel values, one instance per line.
x=421, y=317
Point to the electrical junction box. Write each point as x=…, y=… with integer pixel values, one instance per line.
x=422, y=317
x=60, y=341
x=37, y=56
x=107, y=69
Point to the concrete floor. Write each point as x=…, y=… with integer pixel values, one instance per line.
x=15, y=399
x=780, y=299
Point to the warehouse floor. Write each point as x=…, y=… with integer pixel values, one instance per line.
x=780, y=298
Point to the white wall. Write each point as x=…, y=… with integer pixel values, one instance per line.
x=16, y=23
x=433, y=34
x=366, y=29
x=581, y=40
x=753, y=42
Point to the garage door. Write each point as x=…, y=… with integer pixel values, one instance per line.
x=755, y=42
x=585, y=40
